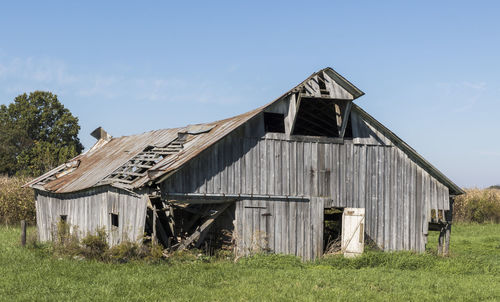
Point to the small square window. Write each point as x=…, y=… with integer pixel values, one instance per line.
x=114, y=219
x=274, y=122
x=64, y=218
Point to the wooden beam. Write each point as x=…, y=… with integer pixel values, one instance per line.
x=119, y=179
x=147, y=158
x=442, y=234
x=338, y=115
x=312, y=87
x=345, y=118
x=131, y=174
x=171, y=221
x=143, y=166
x=446, y=247
x=161, y=231
x=196, y=215
x=294, y=116
x=153, y=235
x=204, y=227
x=292, y=112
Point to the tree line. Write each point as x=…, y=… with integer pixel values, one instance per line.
x=37, y=133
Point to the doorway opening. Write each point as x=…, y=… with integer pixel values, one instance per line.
x=332, y=230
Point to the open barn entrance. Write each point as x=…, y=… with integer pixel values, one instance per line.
x=180, y=225
x=332, y=230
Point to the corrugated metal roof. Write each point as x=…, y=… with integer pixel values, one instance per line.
x=98, y=163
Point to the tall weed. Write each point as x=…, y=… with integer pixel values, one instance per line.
x=95, y=246
x=16, y=203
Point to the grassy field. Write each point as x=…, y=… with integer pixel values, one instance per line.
x=472, y=273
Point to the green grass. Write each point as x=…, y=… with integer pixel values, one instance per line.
x=472, y=273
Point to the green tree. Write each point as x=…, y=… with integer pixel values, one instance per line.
x=36, y=134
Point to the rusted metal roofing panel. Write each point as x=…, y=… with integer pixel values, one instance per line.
x=96, y=165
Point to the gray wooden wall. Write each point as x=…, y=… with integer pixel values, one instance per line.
x=367, y=172
x=90, y=210
x=281, y=226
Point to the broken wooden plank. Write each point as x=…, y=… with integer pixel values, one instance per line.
x=161, y=230
x=168, y=148
x=297, y=101
x=204, y=227
x=130, y=173
x=147, y=158
x=154, y=226
x=142, y=166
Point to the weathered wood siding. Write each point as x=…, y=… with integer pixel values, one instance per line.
x=89, y=210
x=281, y=226
x=366, y=134
x=366, y=172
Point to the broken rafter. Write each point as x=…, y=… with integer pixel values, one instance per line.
x=195, y=237
x=156, y=224
x=293, y=110
x=130, y=173
x=138, y=166
x=142, y=166
x=345, y=118
x=147, y=158
x=167, y=149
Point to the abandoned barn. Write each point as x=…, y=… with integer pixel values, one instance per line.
x=274, y=179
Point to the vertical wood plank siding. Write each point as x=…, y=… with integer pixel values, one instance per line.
x=90, y=210
x=396, y=193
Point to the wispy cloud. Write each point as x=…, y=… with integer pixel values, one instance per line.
x=480, y=86
x=462, y=96
x=27, y=74
x=490, y=153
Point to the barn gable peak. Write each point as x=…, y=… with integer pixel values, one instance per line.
x=318, y=106
x=327, y=83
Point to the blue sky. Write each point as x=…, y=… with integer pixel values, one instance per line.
x=430, y=70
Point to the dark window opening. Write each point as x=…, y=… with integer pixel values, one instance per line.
x=114, y=219
x=322, y=86
x=64, y=218
x=317, y=117
x=332, y=231
x=274, y=122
